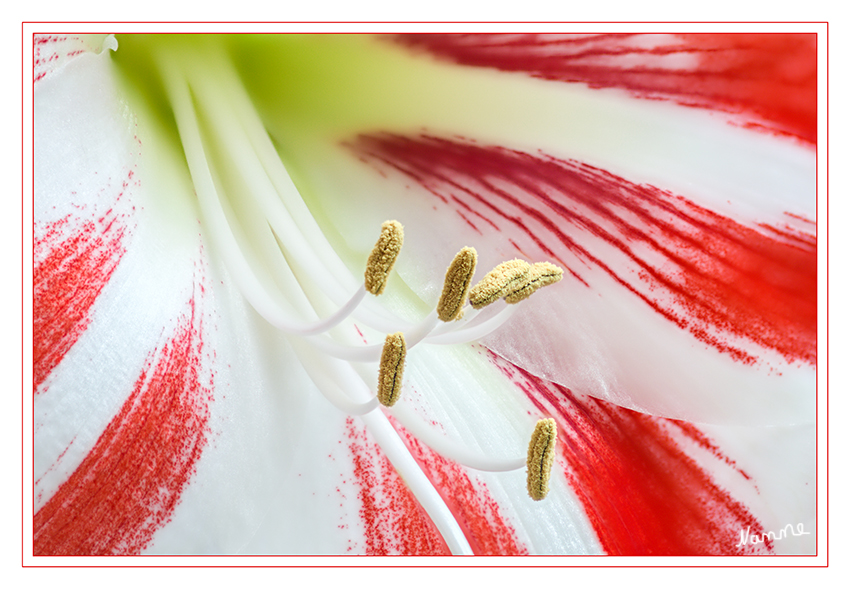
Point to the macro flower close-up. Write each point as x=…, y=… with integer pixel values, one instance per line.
x=425, y=294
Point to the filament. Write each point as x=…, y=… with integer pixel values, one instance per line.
x=216, y=221
x=286, y=269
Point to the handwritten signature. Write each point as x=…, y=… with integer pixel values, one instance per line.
x=747, y=538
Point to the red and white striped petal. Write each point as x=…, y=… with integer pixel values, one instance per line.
x=689, y=244
x=122, y=377
x=171, y=418
x=666, y=307
x=764, y=81
x=657, y=486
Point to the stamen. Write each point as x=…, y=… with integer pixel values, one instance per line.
x=383, y=256
x=541, y=455
x=392, y=369
x=504, y=279
x=210, y=190
x=456, y=285
x=539, y=275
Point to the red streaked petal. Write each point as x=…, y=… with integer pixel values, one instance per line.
x=643, y=493
x=131, y=481
x=74, y=260
x=393, y=521
x=486, y=529
x=702, y=271
x=769, y=78
x=747, y=292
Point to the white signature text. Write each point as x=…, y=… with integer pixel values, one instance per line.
x=747, y=538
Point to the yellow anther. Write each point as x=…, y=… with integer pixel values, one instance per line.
x=502, y=280
x=392, y=369
x=383, y=256
x=539, y=275
x=541, y=456
x=456, y=285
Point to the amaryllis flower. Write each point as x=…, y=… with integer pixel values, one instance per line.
x=204, y=204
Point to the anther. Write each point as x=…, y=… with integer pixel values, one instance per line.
x=456, y=285
x=392, y=369
x=501, y=281
x=383, y=256
x=539, y=275
x=541, y=455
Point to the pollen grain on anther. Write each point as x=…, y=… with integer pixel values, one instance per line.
x=391, y=369
x=541, y=455
x=383, y=256
x=456, y=285
x=539, y=275
x=504, y=279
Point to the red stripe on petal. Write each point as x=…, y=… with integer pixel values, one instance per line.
x=129, y=484
x=729, y=285
x=474, y=508
x=394, y=523
x=642, y=491
x=74, y=261
x=769, y=78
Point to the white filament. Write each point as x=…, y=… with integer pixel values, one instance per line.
x=475, y=331
x=215, y=217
